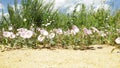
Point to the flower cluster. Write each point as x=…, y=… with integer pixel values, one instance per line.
x=101, y=33
x=24, y=33
x=43, y=34
x=8, y=34
x=87, y=31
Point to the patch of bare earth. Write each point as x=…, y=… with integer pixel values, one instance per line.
x=61, y=58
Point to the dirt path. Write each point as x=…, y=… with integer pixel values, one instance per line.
x=28, y=58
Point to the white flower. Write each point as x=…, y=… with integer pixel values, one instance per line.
x=10, y=28
x=51, y=35
x=41, y=38
x=75, y=28
x=26, y=34
x=44, y=32
x=117, y=40
x=29, y=33
x=87, y=32
x=24, y=20
x=59, y=31
x=7, y=34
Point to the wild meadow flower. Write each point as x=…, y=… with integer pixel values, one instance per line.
x=24, y=33
x=51, y=35
x=13, y=36
x=117, y=40
x=10, y=28
x=41, y=38
x=44, y=32
x=87, y=31
x=59, y=31
x=24, y=20
x=75, y=28
x=8, y=34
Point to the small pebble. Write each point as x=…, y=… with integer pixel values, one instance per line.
x=99, y=47
x=118, y=51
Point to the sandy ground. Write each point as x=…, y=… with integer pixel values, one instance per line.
x=60, y=58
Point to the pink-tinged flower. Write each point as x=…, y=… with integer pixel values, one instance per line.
x=95, y=29
x=7, y=34
x=117, y=40
x=44, y=32
x=26, y=34
x=75, y=28
x=87, y=31
x=41, y=38
x=51, y=35
x=59, y=31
